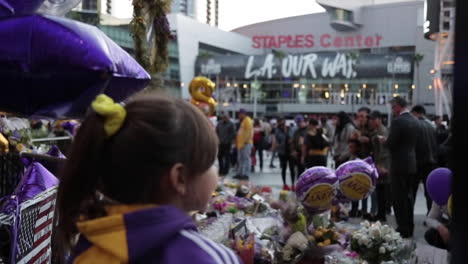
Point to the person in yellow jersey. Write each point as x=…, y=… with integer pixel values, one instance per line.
x=244, y=141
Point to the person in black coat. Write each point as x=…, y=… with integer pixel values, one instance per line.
x=426, y=151
x=401, y=142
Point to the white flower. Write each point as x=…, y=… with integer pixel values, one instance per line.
x=298, y=241
x=375, y=232
x=396, y=236
x=382, y=250
x=386, y=230
x=358, y=236
x=364, y=241
x=387, y=238
x=365, y=224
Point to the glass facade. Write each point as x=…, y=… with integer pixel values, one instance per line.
x=121, y=35
x=342, y=15
x=379, y=75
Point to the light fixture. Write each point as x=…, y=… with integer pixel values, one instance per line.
x=182, y=84
x=327, y=95
x=313, y=85
x=364, y=85
x=226, y=104
x=235, y=85
x=329, y=85
x=358, y=95
x=450, y=62
x=228, y=84
x=303, y=86
x=296, y=85
x=432, y=71
x=245, y=86
x=429, y=87
x=395, y=95
x=396, y=86
x=413, y=86
x=342, y=93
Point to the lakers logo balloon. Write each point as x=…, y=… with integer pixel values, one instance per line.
x=357, y=178
x=316, y=189
x=201, y=89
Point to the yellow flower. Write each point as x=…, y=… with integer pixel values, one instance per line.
x=318, y=234
x=336, y=236
x=19, y=147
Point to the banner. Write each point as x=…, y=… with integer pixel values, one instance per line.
x=316, y=65
x=431, y=18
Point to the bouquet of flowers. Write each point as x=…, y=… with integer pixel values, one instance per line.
x=377, y=243
x=325, y=236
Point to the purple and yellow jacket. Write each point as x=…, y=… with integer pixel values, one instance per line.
x=162, y=234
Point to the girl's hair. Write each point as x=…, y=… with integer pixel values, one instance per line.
x=343, y=121
x=158, y=132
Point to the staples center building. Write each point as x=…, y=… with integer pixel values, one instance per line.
x=350, y=56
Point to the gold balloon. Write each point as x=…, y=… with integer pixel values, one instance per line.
x=4, y=145
x=449, y=205
x=201, y=89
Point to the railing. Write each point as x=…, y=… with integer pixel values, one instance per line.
x=329, y=99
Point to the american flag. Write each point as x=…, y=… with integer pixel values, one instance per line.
x=34, y=233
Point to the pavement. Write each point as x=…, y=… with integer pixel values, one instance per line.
x=272, y=177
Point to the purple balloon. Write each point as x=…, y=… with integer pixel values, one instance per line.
x=70, y=126
x=54, y=151
x=19, y=7
x=340, y=198
x=57, y=66
x=439, y=185
x=357, y=178
x=315, y=189
x=36, y=180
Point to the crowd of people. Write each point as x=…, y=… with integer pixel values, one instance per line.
x=404, y=152
x=110, y=207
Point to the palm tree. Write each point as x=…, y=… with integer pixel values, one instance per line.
x=149, y=16
x=418, y=57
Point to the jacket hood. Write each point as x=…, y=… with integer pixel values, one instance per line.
x=130, y=232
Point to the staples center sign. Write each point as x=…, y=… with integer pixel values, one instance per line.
x=312, y=41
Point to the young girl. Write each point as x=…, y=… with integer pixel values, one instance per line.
x=133, y=174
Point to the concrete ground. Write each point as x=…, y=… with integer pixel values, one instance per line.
x=272, y=177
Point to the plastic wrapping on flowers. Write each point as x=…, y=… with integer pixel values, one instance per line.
x=250, y=221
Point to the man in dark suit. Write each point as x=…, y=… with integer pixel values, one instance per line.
x=426, y=150
x=401, y=142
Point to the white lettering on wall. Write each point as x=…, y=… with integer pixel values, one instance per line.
x=302, y=65
x=340, y=65
x=211, y=67
x=267, y=69
x=399, y=66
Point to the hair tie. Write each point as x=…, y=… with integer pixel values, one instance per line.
x=113, y=113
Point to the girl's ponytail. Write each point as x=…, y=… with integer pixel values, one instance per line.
x=80, y=178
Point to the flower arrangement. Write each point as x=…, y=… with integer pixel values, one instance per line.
x=376, y=243
x=325, y=236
